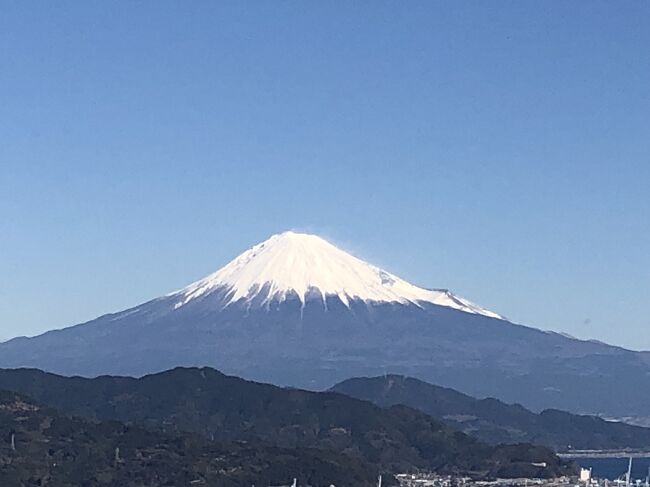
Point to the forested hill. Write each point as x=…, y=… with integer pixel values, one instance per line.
x=40, y=447
x=227, y=408
x=494, y=421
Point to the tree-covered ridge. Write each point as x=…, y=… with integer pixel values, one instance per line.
x=227, y=408
x=39, y=447
x=494, y=421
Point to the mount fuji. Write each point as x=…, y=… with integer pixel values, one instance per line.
x=296, y=310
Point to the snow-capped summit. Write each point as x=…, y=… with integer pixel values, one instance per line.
x=307, y=265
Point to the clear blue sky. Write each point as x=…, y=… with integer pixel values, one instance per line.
x=500, y=149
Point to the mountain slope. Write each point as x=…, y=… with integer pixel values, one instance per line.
x=227, y=408
x=295, y=310
x=57, y=451
x=494, y=421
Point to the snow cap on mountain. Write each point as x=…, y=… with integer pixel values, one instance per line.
x=301, y=263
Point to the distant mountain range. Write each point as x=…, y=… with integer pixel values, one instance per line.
x=295, y=310
x=494, y=421
x=225, y=409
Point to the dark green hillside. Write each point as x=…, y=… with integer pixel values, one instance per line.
x=62, y=452
x=227, y=408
